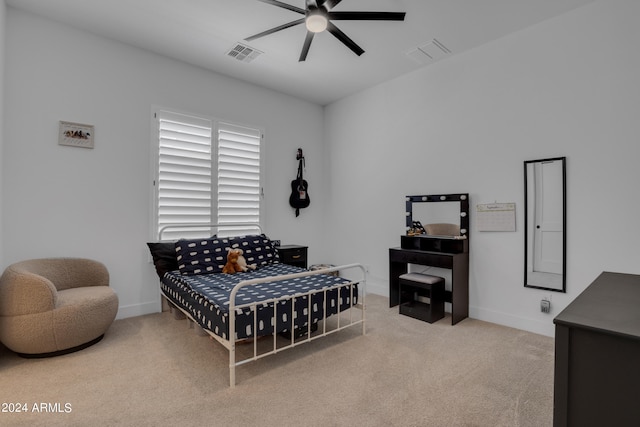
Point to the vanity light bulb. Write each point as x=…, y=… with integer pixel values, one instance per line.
x=425, y=198
x=407, y=213
x=463, y=231
x=463, y=214
x=443, y=197
x=463, y=197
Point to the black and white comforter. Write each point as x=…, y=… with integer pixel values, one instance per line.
x=206, y=298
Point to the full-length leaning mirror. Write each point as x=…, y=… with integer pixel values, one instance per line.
x=545, y=224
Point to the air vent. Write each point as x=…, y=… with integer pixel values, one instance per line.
x=243, y=53
x=428, y=52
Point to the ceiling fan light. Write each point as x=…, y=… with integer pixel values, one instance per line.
x=316, y=22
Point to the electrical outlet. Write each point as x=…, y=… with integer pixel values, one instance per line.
x=545, y=306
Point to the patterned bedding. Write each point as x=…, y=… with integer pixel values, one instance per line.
x=206, y=298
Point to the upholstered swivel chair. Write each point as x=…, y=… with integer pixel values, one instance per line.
x=55, y=306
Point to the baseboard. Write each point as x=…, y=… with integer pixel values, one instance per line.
x=378, y=287
x=138, y=309
x=381, y=287
x=500, y=318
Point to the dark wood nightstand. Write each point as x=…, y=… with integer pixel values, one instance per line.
x=293, y=255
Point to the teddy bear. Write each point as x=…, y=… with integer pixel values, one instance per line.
x=232, y=266
x=236, y=262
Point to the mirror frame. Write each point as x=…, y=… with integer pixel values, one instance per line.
x=463, y=198
x=527, y=238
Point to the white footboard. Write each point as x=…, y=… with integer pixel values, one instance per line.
x=342, y=319
x=293, y=342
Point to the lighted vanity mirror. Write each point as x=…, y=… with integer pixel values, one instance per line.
x=440, y=209
x=545, y=224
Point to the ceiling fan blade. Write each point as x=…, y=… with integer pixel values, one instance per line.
x=276, y=29
x=367, y=16
x=305, y=47
x=284, y=6
x=344, y=39
x=328, y=4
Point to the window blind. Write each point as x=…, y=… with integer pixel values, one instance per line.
x=208, y=172
x=184, y=184
x=238, y=178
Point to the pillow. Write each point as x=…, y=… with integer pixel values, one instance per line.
x=164, y=257
x=201, y=256
x=257, y=249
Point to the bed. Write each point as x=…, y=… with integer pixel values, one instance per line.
x=273, y=307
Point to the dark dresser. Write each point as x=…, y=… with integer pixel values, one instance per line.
x=597, y=355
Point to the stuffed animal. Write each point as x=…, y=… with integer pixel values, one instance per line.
x=236, y=262
x=242, y=262
x=232, y=266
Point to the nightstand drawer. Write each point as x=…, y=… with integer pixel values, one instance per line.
x=293, y=255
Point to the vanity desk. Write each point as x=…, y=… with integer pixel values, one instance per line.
x=442, y=251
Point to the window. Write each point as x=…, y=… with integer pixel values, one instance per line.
x=208, y=171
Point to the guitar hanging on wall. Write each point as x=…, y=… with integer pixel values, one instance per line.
x=299, y=195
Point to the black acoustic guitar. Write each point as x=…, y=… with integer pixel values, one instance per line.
x=299, y=188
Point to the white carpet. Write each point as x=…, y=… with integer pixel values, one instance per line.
x=154, y=371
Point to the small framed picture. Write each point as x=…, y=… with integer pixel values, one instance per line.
x=76, y=135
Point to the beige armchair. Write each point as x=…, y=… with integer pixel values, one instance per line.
x=55, y=305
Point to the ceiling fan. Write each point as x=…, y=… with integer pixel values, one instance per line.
x=318, y=15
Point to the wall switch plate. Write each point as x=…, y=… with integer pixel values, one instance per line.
x=545, y=306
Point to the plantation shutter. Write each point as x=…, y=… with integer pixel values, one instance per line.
x=239, y=189
x=184, y=185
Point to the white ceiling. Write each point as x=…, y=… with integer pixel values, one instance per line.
x=200, y=32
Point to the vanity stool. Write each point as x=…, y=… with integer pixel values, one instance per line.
x=413, y=285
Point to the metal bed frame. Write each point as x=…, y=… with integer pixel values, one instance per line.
x=230, y=344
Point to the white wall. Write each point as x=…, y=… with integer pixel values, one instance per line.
x=566, y=87
x=65, y=201
x=3, y=11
